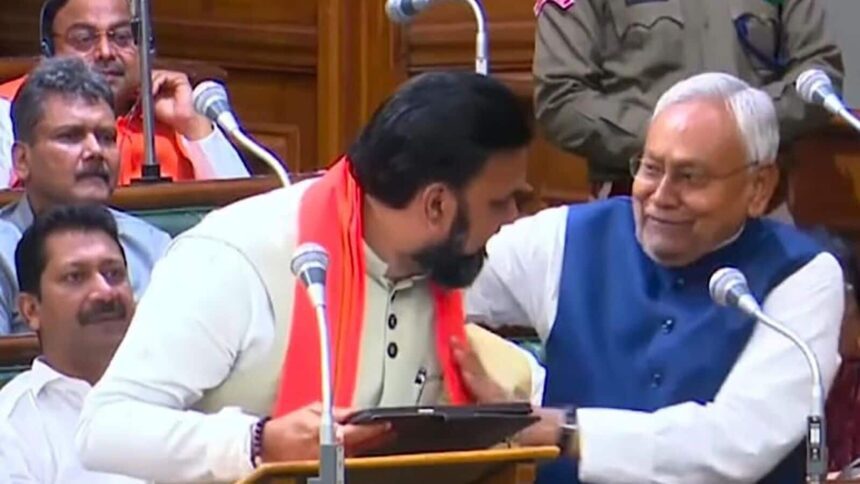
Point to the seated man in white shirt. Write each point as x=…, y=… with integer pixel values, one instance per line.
x=660, y=384
x=76, y=295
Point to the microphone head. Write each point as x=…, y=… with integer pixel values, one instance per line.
x=727, y=285
x=403, y=11
x=812, y=85
x=309, y=263
x=210, y=99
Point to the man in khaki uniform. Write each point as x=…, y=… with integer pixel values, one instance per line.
x=217, y=341
x=600, y=66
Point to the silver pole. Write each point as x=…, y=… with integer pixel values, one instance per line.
x=150, y=171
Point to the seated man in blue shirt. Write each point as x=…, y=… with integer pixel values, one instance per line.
x=65, y=151
x=658, y=383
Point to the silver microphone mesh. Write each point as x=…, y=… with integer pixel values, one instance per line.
x=723, y=281
x=308, y=255
x=210, y=99
x=810, y=82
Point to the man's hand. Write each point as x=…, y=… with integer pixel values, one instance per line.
x=295, y=436
x=546, y=431
x=478, y=382
x=174, y=105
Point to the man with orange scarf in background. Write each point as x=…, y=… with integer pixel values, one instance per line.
x=224, y=335
x=103, y=34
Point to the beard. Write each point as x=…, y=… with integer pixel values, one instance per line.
x=447, y=263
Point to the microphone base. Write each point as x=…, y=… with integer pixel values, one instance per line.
x=816, y=450
x=150, y=174
x=331, y=465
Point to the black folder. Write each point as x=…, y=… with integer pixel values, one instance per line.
x=446, y=428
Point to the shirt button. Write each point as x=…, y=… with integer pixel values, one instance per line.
x=656, y=379
x=679, y=282
x=392, y=350
x=392, y=321
x=668, y=325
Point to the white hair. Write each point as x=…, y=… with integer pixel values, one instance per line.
x=752, y=109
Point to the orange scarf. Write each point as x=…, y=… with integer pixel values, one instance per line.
x=331, y=215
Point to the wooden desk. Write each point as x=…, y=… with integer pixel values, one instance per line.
x=214, y=193
x=494, y=466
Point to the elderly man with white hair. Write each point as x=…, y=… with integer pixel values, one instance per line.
x=647, y=379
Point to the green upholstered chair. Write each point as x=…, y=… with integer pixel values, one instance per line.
x=174, y=221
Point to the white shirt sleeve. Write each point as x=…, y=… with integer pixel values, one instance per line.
x=525, y=254
x=6, y=139
x=214, y=157
x=16, y=465
x=757, y=417
x=136, y=420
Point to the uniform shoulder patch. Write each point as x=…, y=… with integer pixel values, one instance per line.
x=562, y=4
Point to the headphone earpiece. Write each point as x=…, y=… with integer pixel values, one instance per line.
x=46, y=42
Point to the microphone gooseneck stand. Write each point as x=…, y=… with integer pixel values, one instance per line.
x=816, y=446
x=728, y=287
x=482, y=42
x=309, y=265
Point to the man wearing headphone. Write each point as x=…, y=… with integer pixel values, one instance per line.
x=103, y=33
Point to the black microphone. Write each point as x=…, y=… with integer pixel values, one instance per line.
x=815, y=87
x=211, y=100
x=309, y=265
x=728, y=287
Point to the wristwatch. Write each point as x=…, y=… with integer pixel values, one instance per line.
x=567, y=438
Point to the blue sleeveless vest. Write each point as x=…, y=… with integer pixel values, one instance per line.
x=630, y=334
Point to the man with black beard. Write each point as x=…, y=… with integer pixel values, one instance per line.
x=225, y=337
x=65, y=152
x=76, y=295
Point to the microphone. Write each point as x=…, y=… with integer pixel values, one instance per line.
x=403, y=11
x=815, y=87
x=210, y=100
x=728, y=287
x=309, y=265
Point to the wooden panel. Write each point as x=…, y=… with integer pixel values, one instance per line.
x=279, y=104
x=825, y=180
x=269, y=50
x=254, y=13
x=278, y=48
x=19, y=27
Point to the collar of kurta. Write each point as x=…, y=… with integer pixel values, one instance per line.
x=330, y=214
